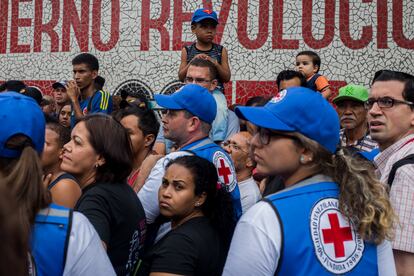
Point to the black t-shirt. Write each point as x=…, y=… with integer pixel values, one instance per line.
x=193, y=248
x=117, y=215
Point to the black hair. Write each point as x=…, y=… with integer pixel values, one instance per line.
x=148, y=122
x=316, y=60
x=34, y=93
x=407, y=79
x=141, y=100
x=50, y=119
x=288, y=75
x=256, y=101
x=85, y=58
x=12, y=85
x=199, y=62
x=99, y=82
x=110, y=140
x=218, y=205
x=62, y=132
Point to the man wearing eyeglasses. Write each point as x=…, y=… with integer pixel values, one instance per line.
x=186, y=120
x=352, y=114
x=204, y=73
x=391, y=120
x=238, y=146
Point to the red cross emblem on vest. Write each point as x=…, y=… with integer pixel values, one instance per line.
x=337, y=246
x=224, y=171
x=337, y=235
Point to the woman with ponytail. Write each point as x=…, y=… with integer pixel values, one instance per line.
x=201, y=220
x=59, y=241
x=333, y=217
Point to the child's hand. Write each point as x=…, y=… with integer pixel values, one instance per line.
x=202, y=56
x=206, y=57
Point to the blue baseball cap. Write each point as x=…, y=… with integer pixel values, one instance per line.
x=191, y=97
x=59, y=84
x=20, y=114
x=202, y=14
x=297, y=109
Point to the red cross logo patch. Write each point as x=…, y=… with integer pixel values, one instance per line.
x=225, y=170
x=279, y=96
x=337, y=245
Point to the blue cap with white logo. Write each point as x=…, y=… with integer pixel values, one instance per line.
x=191, y=97
x=298, y=109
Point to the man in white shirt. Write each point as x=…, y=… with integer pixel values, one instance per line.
x=238, y=146
x=187, y=120
x=391, y=120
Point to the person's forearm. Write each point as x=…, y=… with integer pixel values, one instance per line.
x=183, y=72
x=77, y=109
x=404, y=262
x=326, y=93
x=224, y=72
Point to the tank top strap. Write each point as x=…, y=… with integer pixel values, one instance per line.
x=60, y=177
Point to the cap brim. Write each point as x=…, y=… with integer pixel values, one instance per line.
x=206, y=17
x=166, y=101
x=57, y=85
x=342, y=98
x=262, y=117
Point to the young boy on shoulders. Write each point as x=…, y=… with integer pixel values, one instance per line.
x=309, y=63
x=204, y=26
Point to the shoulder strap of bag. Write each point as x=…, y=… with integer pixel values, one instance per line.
x=409, y=159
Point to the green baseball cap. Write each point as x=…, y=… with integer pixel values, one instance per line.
x=352, y=92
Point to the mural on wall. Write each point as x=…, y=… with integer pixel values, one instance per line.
x=138, y=43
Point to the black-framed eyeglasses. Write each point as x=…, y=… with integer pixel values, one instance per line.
x=228, y=143
x=266, y=134
x=385, y=102
x=196, y=80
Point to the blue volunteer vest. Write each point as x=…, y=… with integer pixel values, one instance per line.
x=50, y=239
x=207, y=149
x=316, y=238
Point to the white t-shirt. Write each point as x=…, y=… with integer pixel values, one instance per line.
x=249, y=193
x=86, y=254
x=256, y=245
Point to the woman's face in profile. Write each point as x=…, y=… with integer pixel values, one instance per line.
x=176, y=195
x=276, y=153
x=79, y=157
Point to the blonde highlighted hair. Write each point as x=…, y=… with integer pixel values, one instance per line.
x=362, y=197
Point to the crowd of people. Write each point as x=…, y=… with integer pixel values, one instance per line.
x=303, y=183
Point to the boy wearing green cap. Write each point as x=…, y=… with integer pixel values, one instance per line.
x=354, y=132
